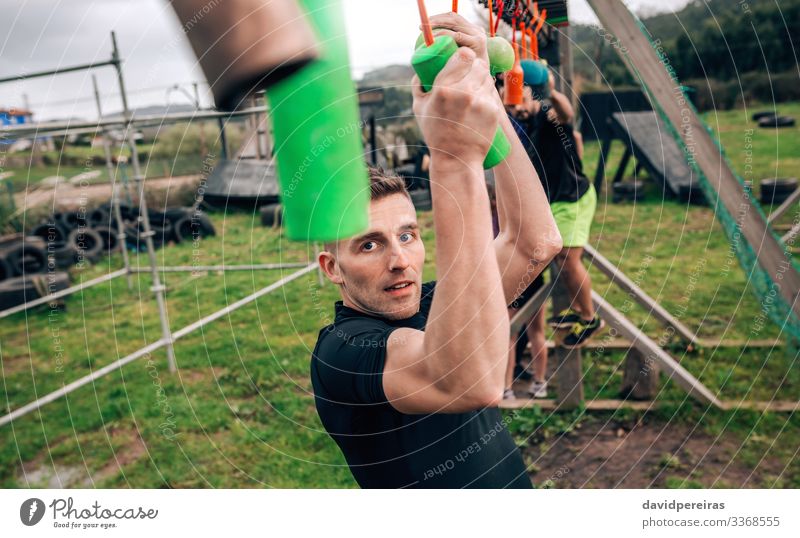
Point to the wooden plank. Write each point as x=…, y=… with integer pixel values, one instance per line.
x=776, y=406
x=670, y=367
x=569, y=362
x=620, y=344
x=664, y=90
x=640, y=377
x=785, y=206
x=648, y=303
x=524, y=314
x=790, y=236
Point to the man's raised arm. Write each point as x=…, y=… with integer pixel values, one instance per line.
x=528, y=237
x=458, y=363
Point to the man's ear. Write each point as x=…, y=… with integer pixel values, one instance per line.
x=329, y=265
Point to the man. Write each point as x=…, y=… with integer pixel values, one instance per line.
x=407, y=377
x=556, y=150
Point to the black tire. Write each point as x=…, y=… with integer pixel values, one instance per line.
x=206, y=227
x=99, y=217
x=65, y=256
x=51, y=233
x=776, y=122
x=18, y=290
x=777, y=190
x=28, y=257
x=162, y=233
x=422, y=200
x=87, y=243
x=196, y=226
x=72, y=220
x=108, y=238
x=631, y=191
x=5, y=270
x=764, y=114
x=271, y=215
x=174, y=214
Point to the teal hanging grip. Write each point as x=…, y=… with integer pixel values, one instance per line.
x=317, y=133
x=427, y=62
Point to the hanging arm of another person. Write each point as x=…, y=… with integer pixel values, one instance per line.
x=528, y=237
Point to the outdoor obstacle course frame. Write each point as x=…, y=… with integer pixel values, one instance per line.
x=128, y=122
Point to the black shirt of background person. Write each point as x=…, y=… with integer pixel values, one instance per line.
x=388, y=449
x=555, y=156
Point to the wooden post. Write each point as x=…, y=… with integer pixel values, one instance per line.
x=569, y=362
x=640, y=378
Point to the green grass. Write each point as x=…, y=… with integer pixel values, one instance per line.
x=239, y=412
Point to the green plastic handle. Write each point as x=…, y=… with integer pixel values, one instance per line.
x=317, y=131
x=427, y=62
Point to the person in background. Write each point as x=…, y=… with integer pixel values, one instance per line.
x=544, y=124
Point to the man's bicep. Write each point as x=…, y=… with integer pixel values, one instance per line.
x=408, y=383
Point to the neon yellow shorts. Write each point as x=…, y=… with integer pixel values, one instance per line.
x=574, y=219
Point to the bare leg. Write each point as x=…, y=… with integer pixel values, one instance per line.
x=576, y=279
x=538, y=343
x=512, y=354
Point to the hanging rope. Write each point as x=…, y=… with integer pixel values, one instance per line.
x=499, y=16
x=491, y=20
x=426, y=24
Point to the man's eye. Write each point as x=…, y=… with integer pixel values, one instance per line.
x=406, y=237
x=369, y=245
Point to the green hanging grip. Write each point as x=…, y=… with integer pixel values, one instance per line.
x=427, y=62
x=317, y=133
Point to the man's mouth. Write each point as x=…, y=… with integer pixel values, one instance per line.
x=399, y=288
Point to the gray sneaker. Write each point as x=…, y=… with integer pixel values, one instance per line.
x=538, y=389
x=508, y=394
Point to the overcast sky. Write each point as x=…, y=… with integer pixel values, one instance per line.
x=43, y=34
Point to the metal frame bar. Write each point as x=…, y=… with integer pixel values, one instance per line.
x=116, y=365
x=56, y=128
x=120, y=272
x=195, y=268
x=63, y=293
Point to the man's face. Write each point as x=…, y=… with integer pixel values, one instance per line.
x=380, y=272
x=530, y=105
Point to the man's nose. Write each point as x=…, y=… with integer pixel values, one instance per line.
x=398, y=257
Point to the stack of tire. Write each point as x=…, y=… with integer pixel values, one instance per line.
x=75, y=237
x=26, y=272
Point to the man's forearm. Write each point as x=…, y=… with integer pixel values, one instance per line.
x=528, y=237
x=562, y=107
x=467, y=331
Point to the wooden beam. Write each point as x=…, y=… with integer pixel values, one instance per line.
x=524, y=314
x=648, y=303
x=569, y=362
x=620, y=344
x=790, y=236
x=784, y=207
x=658, y=78
x=775, y=406
x=653, y=352
x=640, y=377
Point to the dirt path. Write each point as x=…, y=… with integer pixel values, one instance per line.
x=66, y=196
x=646, y=455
